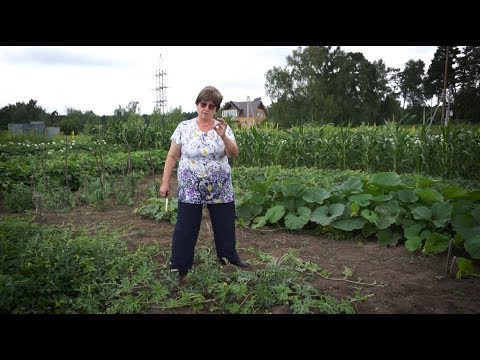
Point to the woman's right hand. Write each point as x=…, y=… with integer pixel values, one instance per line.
x=163, y=192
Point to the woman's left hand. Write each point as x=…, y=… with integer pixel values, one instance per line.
x=221, y=127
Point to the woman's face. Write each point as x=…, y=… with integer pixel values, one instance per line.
x=206, y=109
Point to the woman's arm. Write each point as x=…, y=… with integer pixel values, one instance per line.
x=172, y=157
x=230, y=147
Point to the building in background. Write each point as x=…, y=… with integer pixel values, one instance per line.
x=246, y=112
x=34, y=127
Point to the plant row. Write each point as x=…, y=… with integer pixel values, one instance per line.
x=449, y=152
x=382, y=206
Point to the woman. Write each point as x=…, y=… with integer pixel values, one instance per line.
x=203, y=146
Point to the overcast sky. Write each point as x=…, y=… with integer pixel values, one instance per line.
x=102, y=78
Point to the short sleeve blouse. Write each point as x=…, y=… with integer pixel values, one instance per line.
x=204, y=174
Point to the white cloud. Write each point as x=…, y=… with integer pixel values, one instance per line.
x=101, y=79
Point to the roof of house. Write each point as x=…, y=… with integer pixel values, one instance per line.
x=242, y=106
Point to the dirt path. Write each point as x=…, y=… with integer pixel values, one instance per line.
x=410, y=282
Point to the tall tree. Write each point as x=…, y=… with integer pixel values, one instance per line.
x=279, y=86
x=467, y=99
x=75, y=120
x=468, y=71
x=322, y=85
x=411, y=83
x=434, y=80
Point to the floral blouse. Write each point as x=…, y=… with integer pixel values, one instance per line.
x=203, y=170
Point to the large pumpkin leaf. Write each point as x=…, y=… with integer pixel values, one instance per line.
x=259, y=222
x=371, y=216
x=361, y=199
x=296, y=221
x=248, y=211
x=372, y=189
x=293, y=204
x=422, y=212
x=465, y=215
x=472, y=245
x=387, y=214
x=324, y=215
x=316, y=194
x=436, y=243
x=429, y=195
x=386, y=179
x=407, y=195
x=275, y=188
x=275, y=213
x=242, y=199
x=468, y=226
x=353, y=185
x=414, y=239
x=349, y=224
x=382, y=198
x=387, y=237
x=467, y=232
x=406, y=222
x=441, y=213
x=295, y=190
x=257, y=198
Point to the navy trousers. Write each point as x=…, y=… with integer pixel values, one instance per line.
x=187, y=228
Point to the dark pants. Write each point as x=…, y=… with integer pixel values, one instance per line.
x=186, y=231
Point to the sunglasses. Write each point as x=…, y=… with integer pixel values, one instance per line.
x=210, y=106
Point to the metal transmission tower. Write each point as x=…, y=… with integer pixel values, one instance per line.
x=161, y=102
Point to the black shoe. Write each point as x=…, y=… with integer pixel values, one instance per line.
x=182, y=273
x=239, y=263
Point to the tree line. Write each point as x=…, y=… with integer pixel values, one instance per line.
x=328, y=85
x=75, y=120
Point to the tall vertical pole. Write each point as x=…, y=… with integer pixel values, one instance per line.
x=161, y=103
x=445, y=89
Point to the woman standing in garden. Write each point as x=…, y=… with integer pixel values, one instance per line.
x=203, y=145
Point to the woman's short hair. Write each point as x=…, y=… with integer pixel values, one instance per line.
x=210, y=93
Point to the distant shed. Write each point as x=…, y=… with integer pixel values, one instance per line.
x=34, y=127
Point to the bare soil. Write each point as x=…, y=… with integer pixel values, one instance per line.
x=403, y=282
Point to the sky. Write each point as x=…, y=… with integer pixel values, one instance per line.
x=104, y=78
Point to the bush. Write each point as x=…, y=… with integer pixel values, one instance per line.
x=19, y=198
